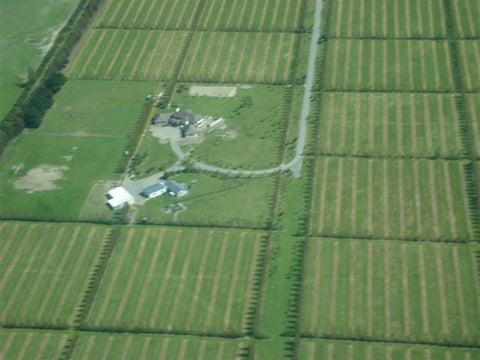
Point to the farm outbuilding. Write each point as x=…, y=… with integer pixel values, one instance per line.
x=154, y=190
x=118, y=197
x=176, y=189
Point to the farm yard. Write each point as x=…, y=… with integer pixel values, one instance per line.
x=391, y=291
x=203, y=281
x=46, y=269
x=390, y=124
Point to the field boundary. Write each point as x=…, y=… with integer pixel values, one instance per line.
x=387, y=238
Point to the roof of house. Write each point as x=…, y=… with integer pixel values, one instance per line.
x=176, y=187
x=153, y=188
x=120, y=195
x=183, y=115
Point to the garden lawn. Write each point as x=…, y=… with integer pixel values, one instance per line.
x=179, y=279
x=45, y=270
x=215, y=201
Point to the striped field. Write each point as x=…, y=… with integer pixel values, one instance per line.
x=31, y=345
x=240, y=57
x=391, y=291
x=127, y=55
x=469, y=52
x=45, y=269
x=143, y=14
x=466, y=17
x=252, y=15
x=473, y=113
x=390, y=18
x=123, y=347
x=406, y=199
x=389, y=124
x=168, y=279
x=408, y=65
x=346, y=350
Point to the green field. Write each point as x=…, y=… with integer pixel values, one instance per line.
x=253, y=15
x=141, y=14
x=122, y=347
x=25, y=37
x=376, y=18
x=31, y=345
x=240, y=57
x=215, y=201
x=391, y=291
x=351, y=350
x=420, y=199
x=473, y=111
x=174, y=279
x=390, y=124
x=119, y=54
x=469, y=53
x=254, y=121
x=389, y=65
x=465, y=13
x=46, y=270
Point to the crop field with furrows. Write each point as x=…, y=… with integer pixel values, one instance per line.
x=31, y=345
x=469, y=53
x=45, y=269
x=252, y=15
x=406, y=199
x=466, y=15
x=377, y=18
x=473, y=113
x=390, y=124
x=127, y=55
x=393, y=291
x=231, y=57
x=143, y=14
x=122, y=347
x=351, y=350
x=182, y=280
x=410, y=65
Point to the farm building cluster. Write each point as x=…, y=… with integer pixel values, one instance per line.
x=189, y=124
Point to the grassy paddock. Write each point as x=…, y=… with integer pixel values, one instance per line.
x=182, y=280
x=255, y=117
x=31, y=345
x=389, y=65
x=117, y=346
x=252, y=15
x=230, y=57
x=391, y=291
x=113, y=54
x=215, y=201
x=421, y=199
x=389, y=124
x=341, y=350
x=473, y=111
x=155, y=14
x=374, y=18
x=46, y=269
x=469, y=53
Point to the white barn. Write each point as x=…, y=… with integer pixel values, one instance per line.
x=118, y=197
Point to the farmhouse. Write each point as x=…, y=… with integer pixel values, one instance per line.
x=154, y=190
x=176, y=189
x=182, y=118
x=118, y=197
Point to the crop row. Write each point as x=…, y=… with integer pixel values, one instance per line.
x=391, y=291
x=469, y=53
x=403, y=199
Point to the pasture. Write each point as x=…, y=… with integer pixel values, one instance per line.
x=254, y=121
x=473, y=111
x=155, y=156
x=180, y=280
x=235, y=57
x=122, y=347
x=469, y=53
x=390, y=124
x=407, y=65
x=351, y=350
x=215, y=201
x=419, y=199
x=393, y=291
x=388, y=19
x=31, y=345
x=46, y=268
x=253, y=15
x=142, y=14
x=465, y=13
x=119, y=54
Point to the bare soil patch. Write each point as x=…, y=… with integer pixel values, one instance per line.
x=41, y=178
x=214, y=91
